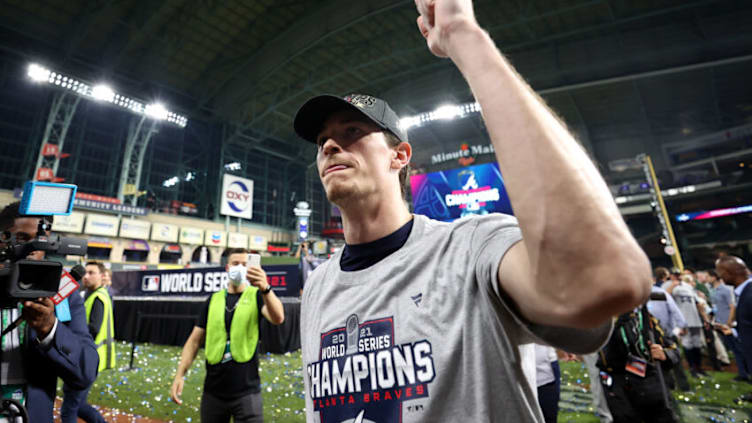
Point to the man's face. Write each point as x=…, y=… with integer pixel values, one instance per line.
x=93, y=277
x=702, y=276
x=354, y=160
x=237, y=259
x=25, y=229
x=106, y=279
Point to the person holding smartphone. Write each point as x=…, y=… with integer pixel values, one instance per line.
x=228, y=327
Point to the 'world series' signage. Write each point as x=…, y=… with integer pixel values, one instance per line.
x=237, y=197
x=197, y=282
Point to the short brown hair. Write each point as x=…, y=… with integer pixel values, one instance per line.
x=99, y=265
x=232, y=251
x=661, y=273
x=393, y=141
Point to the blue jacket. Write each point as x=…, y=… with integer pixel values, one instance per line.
x=744, y=321
x=71, y=356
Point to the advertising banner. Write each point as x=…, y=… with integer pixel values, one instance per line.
x=74, y=223
x=237, y=197
x=215, y=238
x=196, y=282
x=97, y=224
x=164, y=232
x=192, y=236
x=135, y=229
x=237, y=240
x=258, y=243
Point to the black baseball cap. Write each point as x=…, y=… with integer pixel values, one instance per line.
x=311, y=116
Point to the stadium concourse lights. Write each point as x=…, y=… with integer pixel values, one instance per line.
x=171, y=182
x=105, y=93
x=444, y=112
x=233, y=166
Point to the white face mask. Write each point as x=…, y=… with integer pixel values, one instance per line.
x=236, y=274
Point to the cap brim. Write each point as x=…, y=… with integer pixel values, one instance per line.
x=310, y=118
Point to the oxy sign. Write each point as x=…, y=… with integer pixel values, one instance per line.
x=237, y=197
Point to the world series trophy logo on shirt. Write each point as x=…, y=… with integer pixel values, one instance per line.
x=352, y=334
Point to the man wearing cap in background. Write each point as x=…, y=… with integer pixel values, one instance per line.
x=420, y=320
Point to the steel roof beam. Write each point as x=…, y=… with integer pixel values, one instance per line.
x=436, y=64
x=330, y=19
x=81, y=26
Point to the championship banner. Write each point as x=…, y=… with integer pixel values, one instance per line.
x=237, y=197
x=196, y=282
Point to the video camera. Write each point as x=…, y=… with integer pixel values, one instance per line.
x=23, y=279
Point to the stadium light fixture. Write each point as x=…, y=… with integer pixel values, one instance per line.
x=103, y=92
x=444, y=112
x=448, y=112
x=156, y=111
x=171, y=182
x=190, y=176
x=233, y=166
x=38, y=73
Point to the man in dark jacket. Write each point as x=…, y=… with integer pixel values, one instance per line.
x=634, y=390
x=734, y=271
x=54, y=341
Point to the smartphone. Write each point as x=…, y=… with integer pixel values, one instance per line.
x=254, y=260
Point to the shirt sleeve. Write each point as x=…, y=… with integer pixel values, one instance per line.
x=731, y=297
x=493, y=236
x=202, y=316
x=96, y=317
x=259, y=300
x=47, y=341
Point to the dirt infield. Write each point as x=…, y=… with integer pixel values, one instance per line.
x=110, y=415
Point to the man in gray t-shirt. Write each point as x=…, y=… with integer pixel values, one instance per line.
x=724, y=305
x=724, y=302
x=416, y=320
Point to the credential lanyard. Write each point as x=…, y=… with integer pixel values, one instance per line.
x=640, y=341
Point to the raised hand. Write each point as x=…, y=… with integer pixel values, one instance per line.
x=438, y=18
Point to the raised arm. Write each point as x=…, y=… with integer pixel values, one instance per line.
x=272, y=310
x=578, y=265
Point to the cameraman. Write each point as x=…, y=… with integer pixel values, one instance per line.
x=53, y=342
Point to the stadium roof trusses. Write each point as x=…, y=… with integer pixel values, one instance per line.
x=626, y=75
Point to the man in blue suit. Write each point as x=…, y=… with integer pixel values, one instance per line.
x=54, y=342
x=734, y=271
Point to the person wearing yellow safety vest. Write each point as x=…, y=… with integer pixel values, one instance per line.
x=98, y=305
x=228, y=326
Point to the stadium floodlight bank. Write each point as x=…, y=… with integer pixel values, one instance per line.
x=105, y=93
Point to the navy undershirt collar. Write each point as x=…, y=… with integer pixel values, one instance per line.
x=361, y=256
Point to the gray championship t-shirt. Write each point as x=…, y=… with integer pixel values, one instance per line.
x=424, y=335
x=685, y=298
